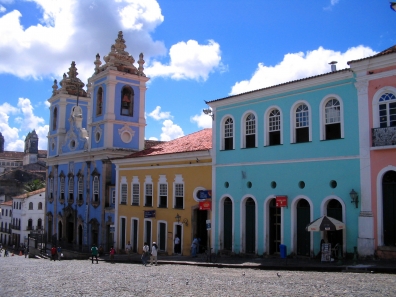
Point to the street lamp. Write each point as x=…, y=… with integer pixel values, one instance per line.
x=178, y=217
x=354, y=197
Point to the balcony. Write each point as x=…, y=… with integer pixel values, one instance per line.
x=383, y=136
x=5, y=230
x=15, y=227
x=29, y=228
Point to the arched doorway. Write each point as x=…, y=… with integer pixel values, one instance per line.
x=70, y=229
x=80, y=235
x=60, y=233
x=389, y=207
x=250, y=226
x=303, y=236
x=274, y=222
x=227, y=224
x=334, y=210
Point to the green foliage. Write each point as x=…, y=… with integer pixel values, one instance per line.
x=33, y=185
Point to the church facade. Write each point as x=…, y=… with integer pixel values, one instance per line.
x=87, y=129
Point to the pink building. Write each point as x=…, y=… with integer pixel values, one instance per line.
x=376, y=86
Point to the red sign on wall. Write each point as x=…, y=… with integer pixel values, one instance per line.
x=281, y=201
x=205, y=205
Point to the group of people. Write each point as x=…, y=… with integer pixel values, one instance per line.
x=56, y=253
x=146, y=253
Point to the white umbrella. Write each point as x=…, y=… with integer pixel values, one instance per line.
x=325, y=223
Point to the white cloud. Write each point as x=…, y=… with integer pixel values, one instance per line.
x=2, y=8
x=70, y=30
x=332, y=3
x=189, y=60
x=202, y=120
x=157, y=114
x=153, y=138
x=27, y=122
x=299, y=65
x=170, y=131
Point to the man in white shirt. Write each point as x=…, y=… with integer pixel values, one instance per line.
x=177, y=245
x=128, y=248
x=154, y=250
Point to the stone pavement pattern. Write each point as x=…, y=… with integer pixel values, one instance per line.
x=40, y=277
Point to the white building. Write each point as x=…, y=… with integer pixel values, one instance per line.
x=5, y=222
x=27, y=215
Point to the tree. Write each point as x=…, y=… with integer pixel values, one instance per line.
x=34, y=185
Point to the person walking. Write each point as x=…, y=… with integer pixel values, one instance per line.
x=26, y=251
x=194, y=247
x=112, y=252
x=154, y=252
x=145, y=254
x=94, y=253
x=177, y=244
x=59, y=251
x=53, y=253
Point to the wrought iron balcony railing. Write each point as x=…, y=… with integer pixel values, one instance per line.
x=383, y=136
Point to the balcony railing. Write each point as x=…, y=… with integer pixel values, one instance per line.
x=383, y=136
x=28, y=228
x=5, y=230
x=15, y=227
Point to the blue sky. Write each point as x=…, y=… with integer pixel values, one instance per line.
x=194, y=51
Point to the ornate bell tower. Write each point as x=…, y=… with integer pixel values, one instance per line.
x=118, y=100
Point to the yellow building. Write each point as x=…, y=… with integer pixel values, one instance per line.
x=159, y=192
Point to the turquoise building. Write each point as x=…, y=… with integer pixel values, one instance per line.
x=297, y=142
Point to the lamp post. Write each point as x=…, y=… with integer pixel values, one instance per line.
x=354, y=197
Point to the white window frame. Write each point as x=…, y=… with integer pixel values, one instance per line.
x=322, y=114
x=71, y=186
x=123, y=191
x=243, y=128
x=135, y=191
x=162, y=181
x=148, y=187
x=267, y=124
x=80, y=187
x=178, y=181
x=62, y=186
x=224, y=131
x=293, y=127
x=376, y=103
x=166, y=234
x=95, y=189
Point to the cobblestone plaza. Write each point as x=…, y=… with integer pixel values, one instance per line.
x=39, y=277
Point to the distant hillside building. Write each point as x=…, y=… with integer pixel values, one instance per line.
x=17, y=168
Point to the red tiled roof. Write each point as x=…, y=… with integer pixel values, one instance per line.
x=198, y=141
x=30, y=193
x=9, y=203
x=12, y=155
x=390, y=50
x=149, y=143
x=282, y=84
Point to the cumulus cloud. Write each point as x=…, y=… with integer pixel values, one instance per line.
x=170, y=131
x=2, y=8
x=299, y=65
x=189, y=60
x=75, y=30
x=157, y=114
x=202, y=120
x=26, y=121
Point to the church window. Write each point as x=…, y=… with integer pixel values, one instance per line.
x=80, y=187
x=54, y=118
x=99, y=102
x=62, y=188
x=96, y=189
x=127, y=101
x=71, y=188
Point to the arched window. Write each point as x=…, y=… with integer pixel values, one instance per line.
x=71, y=188
x=127, y=101
x=30, y=224
x=40, y=205
x=250, y=131
x=95, y=189
x=54, y=118
x=301, y=124
x=274, y=128
x=30, y=205
x=99, y=101
x=62, y=188
x=80, y=188
x=39, y=224
x=228, y=142
x=387, y=110
x=332, y=119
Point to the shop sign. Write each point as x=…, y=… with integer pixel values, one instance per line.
x=281, y=201
x=205, y=205
x=204, y=194
x=149, y=214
